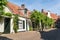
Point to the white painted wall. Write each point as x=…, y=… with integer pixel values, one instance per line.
x=27, y=26
x=6, y=9
x=21, y=18
x=11, y=25
x=49, y=15
x=11, y=22
x=2, y=25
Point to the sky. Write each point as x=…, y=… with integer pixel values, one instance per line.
x=51, y=5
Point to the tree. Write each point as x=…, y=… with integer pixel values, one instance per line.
x=38, y=17
x=35, y=18
x=48, y=22
x=2, y=4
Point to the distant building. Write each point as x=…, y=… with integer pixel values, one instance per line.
x=50, y=14
x=57, y=23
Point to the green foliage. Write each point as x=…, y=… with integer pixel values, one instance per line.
x=15, y=23
x=2, y=4
x=50, y=22
x=35, y=16
x=7, y=14
x=0, y=18
x=47, y=21
x=39, y=17
x=30, y=28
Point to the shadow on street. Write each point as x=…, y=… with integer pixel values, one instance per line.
x=4, y=38
x=51, y=35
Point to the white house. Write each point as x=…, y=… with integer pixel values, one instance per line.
x=50, y=14
x=6, y=23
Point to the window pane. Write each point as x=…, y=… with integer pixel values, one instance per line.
x=23, y=24
x=20, y=24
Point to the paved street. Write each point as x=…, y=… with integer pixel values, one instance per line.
x=32, y=35
x=53, y=34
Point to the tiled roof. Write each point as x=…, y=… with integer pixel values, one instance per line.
x=14, y=8
x=58, y=16
x=54, y=16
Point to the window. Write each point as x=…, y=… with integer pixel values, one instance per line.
x=21, y=24
x=25, y=11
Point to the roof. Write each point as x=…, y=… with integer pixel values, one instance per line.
x=14, y=8
x=53, y=15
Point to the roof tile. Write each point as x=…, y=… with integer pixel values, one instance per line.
x=14, y=8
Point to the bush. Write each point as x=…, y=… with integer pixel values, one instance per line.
x=15, y=23
x=7, y=14
x=15, y=29
x=30, y=28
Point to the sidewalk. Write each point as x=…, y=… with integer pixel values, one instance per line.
x=31, y=35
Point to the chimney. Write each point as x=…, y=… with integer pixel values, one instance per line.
x=49, y=14
x=42, y=10
x=23, y=6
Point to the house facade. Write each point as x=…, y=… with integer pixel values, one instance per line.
x=52, y=15
x=6, y=23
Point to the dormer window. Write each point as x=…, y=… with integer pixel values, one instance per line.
x=25, y=11
x=23, y=6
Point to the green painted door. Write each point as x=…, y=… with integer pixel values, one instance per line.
x=7, y=25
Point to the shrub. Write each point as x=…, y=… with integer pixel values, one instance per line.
x=15, y=23
x=7, y=14
x=30, y=28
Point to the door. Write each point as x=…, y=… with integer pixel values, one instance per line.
x=21, y=25
x=7, y=25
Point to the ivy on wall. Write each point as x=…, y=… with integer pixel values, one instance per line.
x=7, y=14
x=2, y=4
x=15, y=20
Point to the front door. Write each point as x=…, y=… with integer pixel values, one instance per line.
x=7, y=25
x=21, y=25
